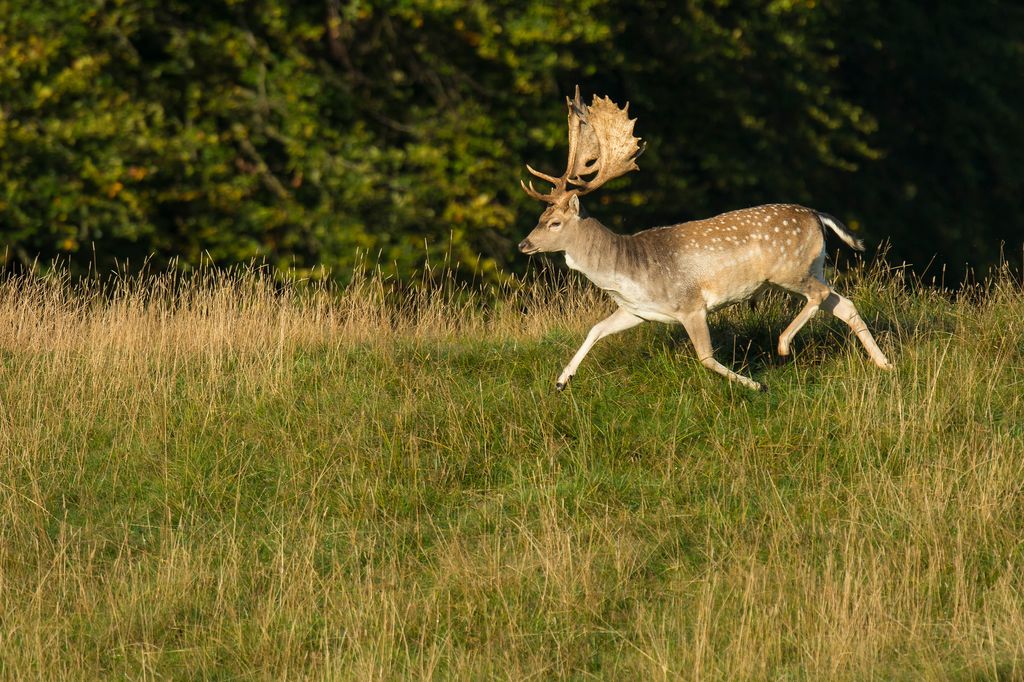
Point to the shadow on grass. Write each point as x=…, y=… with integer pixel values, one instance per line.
x=746, y=338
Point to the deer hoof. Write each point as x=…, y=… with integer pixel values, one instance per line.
x=562, y=384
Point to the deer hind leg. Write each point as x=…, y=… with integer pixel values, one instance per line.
x=815, y=291
x=618, y=321
x=696, y=325
x=844, y=309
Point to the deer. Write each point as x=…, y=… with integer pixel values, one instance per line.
x=679, y=273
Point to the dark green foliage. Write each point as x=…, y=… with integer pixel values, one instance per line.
x=302, y=133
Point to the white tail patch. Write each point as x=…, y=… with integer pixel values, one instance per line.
x=840, y=230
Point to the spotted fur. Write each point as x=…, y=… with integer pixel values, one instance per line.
x=679, y=273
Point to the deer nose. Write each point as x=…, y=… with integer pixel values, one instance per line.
x=525, y=245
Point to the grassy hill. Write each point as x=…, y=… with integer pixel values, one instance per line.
x=224, y=477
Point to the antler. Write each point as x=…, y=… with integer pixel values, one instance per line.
x=601, y=147
x=605, y=145
x=551, y=197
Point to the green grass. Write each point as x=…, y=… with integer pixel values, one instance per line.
x=222, y=479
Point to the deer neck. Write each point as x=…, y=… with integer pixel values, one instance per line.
x=594, y=250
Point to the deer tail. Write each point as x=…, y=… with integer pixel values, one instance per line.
x=841, y=230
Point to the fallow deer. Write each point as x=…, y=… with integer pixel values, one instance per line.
x=677, y=274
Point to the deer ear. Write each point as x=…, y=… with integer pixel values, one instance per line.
x=574, y=204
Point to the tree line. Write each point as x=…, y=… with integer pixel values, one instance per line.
x=305, y=133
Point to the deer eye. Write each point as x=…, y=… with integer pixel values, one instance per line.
x=555, y=225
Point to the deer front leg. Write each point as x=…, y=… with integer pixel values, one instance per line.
x=618, y=321
x=696, y=324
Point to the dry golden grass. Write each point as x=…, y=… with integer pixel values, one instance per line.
x=222, y=476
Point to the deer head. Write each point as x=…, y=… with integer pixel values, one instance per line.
x=601, y=147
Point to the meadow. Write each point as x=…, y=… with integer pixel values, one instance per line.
x=221, y=476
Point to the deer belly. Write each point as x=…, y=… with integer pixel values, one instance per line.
x=642, y=307
x=717, y=297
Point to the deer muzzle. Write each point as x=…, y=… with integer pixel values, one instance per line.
x=526, y=246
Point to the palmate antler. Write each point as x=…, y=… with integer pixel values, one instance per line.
x=601, y=147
